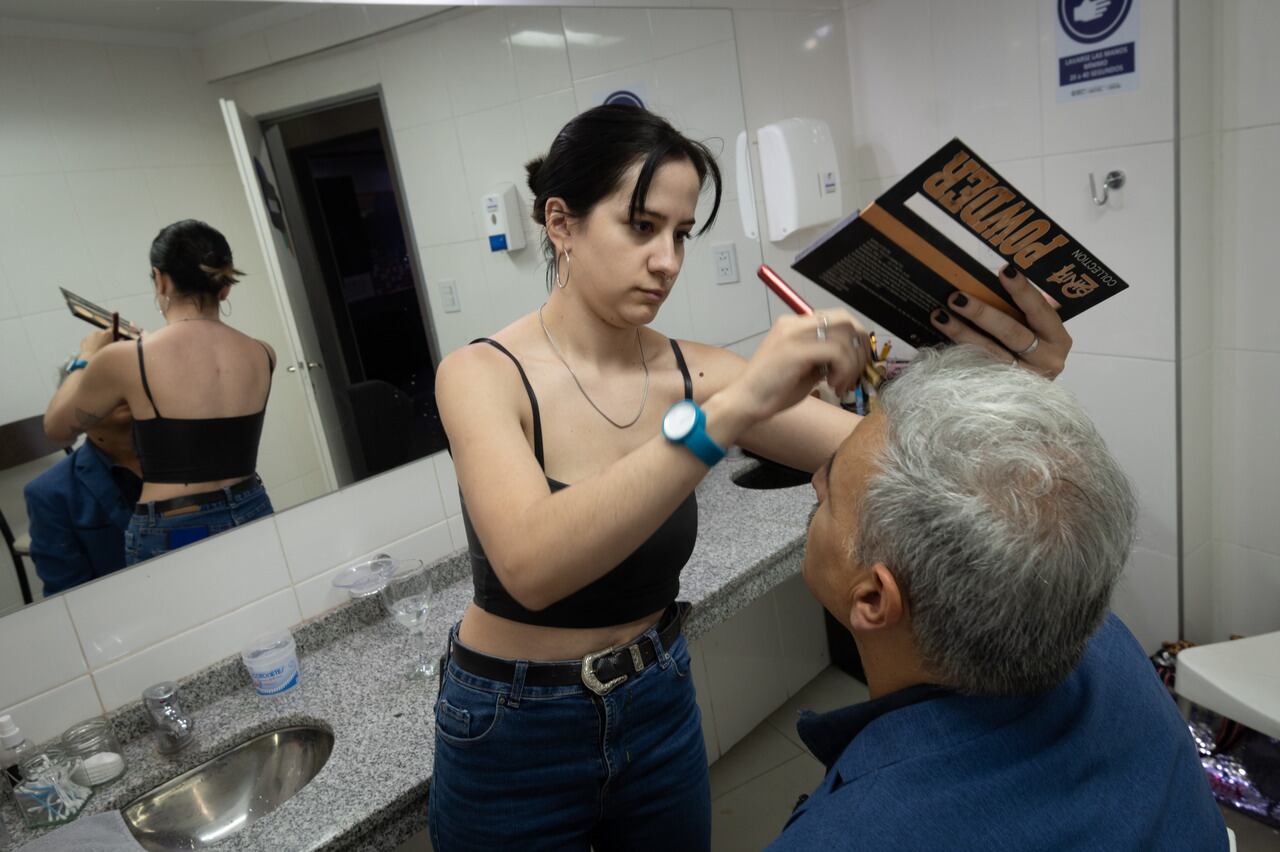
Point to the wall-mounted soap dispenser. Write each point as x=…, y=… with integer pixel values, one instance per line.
x=800, y=175
x=502, y=219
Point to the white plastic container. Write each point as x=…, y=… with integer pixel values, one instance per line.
x=272, y=661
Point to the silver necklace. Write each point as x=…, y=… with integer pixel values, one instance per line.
x=583, y=390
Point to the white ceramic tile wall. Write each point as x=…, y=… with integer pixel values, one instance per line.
x=925, y=70
x=1245, y=556
x=745, y=680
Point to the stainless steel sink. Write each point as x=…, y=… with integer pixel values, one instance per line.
x=235, y=789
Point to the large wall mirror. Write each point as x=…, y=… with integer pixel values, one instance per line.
x=344, y=152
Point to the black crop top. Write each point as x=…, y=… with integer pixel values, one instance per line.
x=645, y=582
x=197, y=450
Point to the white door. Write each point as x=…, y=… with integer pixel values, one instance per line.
x=259, y=181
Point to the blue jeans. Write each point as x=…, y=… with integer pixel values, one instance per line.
x=152, y=534
x=561, y=768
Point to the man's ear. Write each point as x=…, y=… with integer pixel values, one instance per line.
x=876, y=601
x=556, y=213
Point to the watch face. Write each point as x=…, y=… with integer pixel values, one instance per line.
x=679, y=421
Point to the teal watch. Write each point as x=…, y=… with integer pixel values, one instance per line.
x=75, y=362
x=685, y=423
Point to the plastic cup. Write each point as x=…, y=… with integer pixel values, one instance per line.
x=272, y=661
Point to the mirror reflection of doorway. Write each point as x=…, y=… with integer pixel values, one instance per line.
x=342, y=198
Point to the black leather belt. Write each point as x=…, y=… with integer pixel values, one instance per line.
x=200, y=499
x=600, y=671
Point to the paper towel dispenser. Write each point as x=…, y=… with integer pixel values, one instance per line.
x=800, y=176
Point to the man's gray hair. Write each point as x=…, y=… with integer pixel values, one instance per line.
x=1001, y=514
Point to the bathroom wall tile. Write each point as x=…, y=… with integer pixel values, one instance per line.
x=272, y=89
x=457, y=532
x=744, y=650
x=1112, y=389
x=435, y=184
x=747, y=348
x=988, y=97
x=26, y=143
x=709, y=112
x=604, y=40
x=1198, y=590
x=182, y=192
x=702, y=691
x=1248, y=588
x=755, y=36
x=123, y=681
x=1199, y=74
x=543, y=118
x=296, y=491
x=1133, y=234
x=317, y=595
x=1198, y=428
x=1251, y=67
x=47, y=715
x=41, y=240
x=26, y=395
x=640, y=79
x=493, y=153
x=1122, y=118
x=342, y=72
x=1248, y=302
x=516, y=280
x=233, y=56
x=1199, y=290
x=117, y=615
x=802, y=634
x=415, y=80
x=82, y=101
x=447, y=478
x=337, y=527
x=1246, y=467
x=478, y=55
x=895, y=123
x=1146, y=598
x=462, y=263
x=539, y=51
x=161, y=97
x=724, y=313
x=678, y=30
x=321, y=28
x=117, y=220
x=42, y=651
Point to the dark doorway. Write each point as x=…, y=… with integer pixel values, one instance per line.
x=363, y=291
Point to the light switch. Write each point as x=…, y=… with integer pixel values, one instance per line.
x=449, y=296
x=725, y=258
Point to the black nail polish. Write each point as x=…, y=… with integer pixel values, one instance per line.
x=944, y=317
x=959, y=300
x=1009, y=271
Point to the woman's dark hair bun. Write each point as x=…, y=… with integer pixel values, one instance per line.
x=196, y=258
x=532, y=169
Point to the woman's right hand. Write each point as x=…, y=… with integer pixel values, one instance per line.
x=798, y=352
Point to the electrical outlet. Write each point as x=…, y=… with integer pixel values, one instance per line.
x=725, y=258
x=449, y=296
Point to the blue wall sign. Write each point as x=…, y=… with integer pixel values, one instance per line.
x=1097, y=47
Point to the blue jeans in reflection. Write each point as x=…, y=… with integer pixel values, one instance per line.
x=560, y=768
x=151, y=534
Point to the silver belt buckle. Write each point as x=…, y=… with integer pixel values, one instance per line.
x=589, y=678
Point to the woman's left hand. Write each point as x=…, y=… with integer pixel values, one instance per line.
x=1042, y=347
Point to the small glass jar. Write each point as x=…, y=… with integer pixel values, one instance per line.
x=48, y=795
x=94, y=742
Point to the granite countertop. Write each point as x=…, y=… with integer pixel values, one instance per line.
x=372, y=793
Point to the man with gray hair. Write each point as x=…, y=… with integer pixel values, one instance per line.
x=969, y=533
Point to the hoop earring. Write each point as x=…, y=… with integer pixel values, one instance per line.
x=164, y=311
x=567, y=271
x=227, y=304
